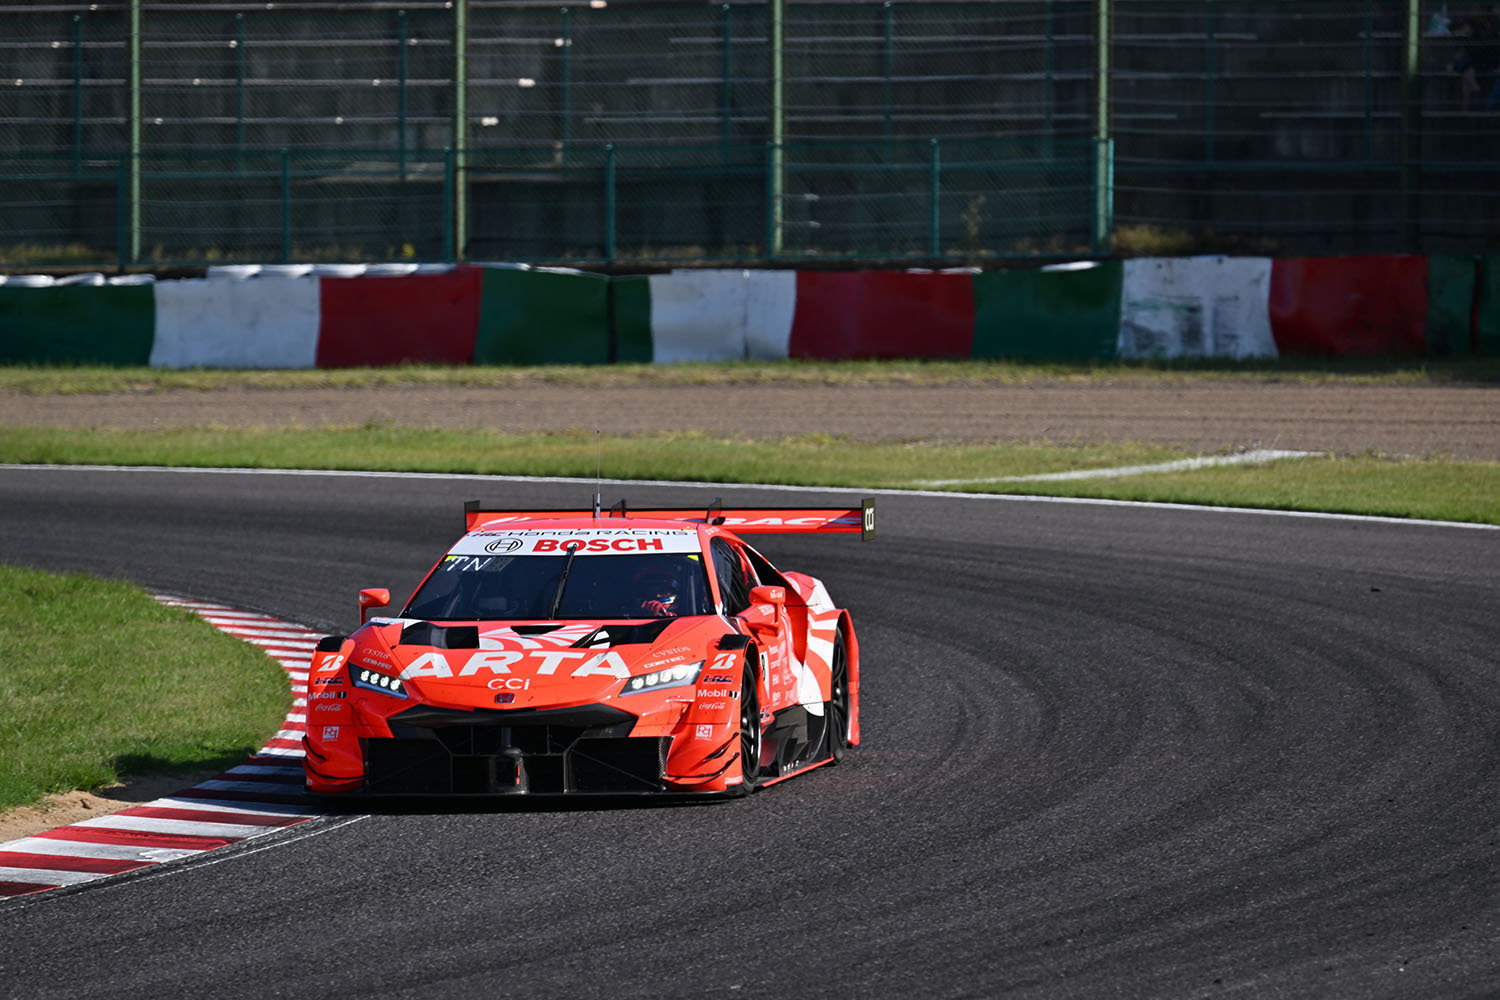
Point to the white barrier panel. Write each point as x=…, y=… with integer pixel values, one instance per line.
x=1196, y=307
x=236, y=324
x=770, y=302
x=721, y=315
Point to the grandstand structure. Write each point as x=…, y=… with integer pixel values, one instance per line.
x=632, y=133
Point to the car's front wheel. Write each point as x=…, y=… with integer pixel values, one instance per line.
x=838, y=701
x=750, y=731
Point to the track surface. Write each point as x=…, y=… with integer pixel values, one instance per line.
x=1109, y=751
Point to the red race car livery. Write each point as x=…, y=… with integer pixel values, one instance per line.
x=570, y=652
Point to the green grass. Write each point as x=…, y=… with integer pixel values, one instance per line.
x=99, y=682
x=1362, y=371
x=1445, y=490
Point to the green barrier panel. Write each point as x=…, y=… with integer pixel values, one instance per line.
x=632, y=318
x=542, y=318
x=1488, y=345
x=77, y=325
x=1069, y=315
x=1450, y=304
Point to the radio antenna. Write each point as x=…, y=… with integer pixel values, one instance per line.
x=598, y=472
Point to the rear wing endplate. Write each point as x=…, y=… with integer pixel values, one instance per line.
x=741, y=520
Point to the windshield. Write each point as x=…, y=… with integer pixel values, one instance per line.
x=517, y=588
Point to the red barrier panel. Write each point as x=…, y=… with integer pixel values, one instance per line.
x=418, y=318
x=882, y=314
x=1340, y=306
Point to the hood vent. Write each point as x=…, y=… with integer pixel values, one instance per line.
x=440, y=636
x=623, y=635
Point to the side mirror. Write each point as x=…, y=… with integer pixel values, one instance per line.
x=372, y=597
x=767, y=594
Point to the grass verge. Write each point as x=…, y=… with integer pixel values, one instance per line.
x=98, y=681
x=1443, y=490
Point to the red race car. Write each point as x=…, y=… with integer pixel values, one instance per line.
x=569, y=652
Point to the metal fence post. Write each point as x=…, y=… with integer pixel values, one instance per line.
x=609, y=201
x=460, y=126
x=778, y=120
x=934, y=192
x=134, y=186
x=286, y=205
x=1103, y=181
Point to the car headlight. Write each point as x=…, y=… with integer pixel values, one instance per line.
x=681, y=675
x=374, y=680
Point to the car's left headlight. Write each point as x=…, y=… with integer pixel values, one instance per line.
x=681, y=675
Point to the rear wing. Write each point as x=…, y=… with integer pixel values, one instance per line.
x=742, y=520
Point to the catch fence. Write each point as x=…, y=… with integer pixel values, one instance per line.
x=946, y=132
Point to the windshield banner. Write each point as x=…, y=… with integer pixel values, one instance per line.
x=494, y=540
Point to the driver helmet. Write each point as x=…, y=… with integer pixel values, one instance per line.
x=657, y=585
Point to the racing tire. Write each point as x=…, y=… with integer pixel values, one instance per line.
x=750, y=730
x=836, y=712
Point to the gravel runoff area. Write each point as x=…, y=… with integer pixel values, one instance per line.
x=1205, y=416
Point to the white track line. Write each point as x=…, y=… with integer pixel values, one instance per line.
x=1180, y=465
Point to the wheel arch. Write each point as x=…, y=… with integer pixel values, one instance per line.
x=851, y=654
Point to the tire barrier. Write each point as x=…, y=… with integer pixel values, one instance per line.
x=1196, y=307
x=542, y=317
x=1348, y=306
x=1061, y=313
x=76, y=324
x=882, y=314
x=413, y=319
x=326, y=316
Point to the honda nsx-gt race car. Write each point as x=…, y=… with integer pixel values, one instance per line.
x=574, y=652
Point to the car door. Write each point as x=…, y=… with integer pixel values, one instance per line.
x=765, y=620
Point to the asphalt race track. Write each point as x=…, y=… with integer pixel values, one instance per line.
x=1109, y=751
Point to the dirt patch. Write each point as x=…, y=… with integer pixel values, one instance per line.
x=66, y=808
x=1461, y=422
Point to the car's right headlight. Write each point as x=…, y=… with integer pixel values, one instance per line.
x=374, y=680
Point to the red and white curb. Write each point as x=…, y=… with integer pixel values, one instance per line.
x=261, y=796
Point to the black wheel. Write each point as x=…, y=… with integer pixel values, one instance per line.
x=838, y=701
x=750, y=734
